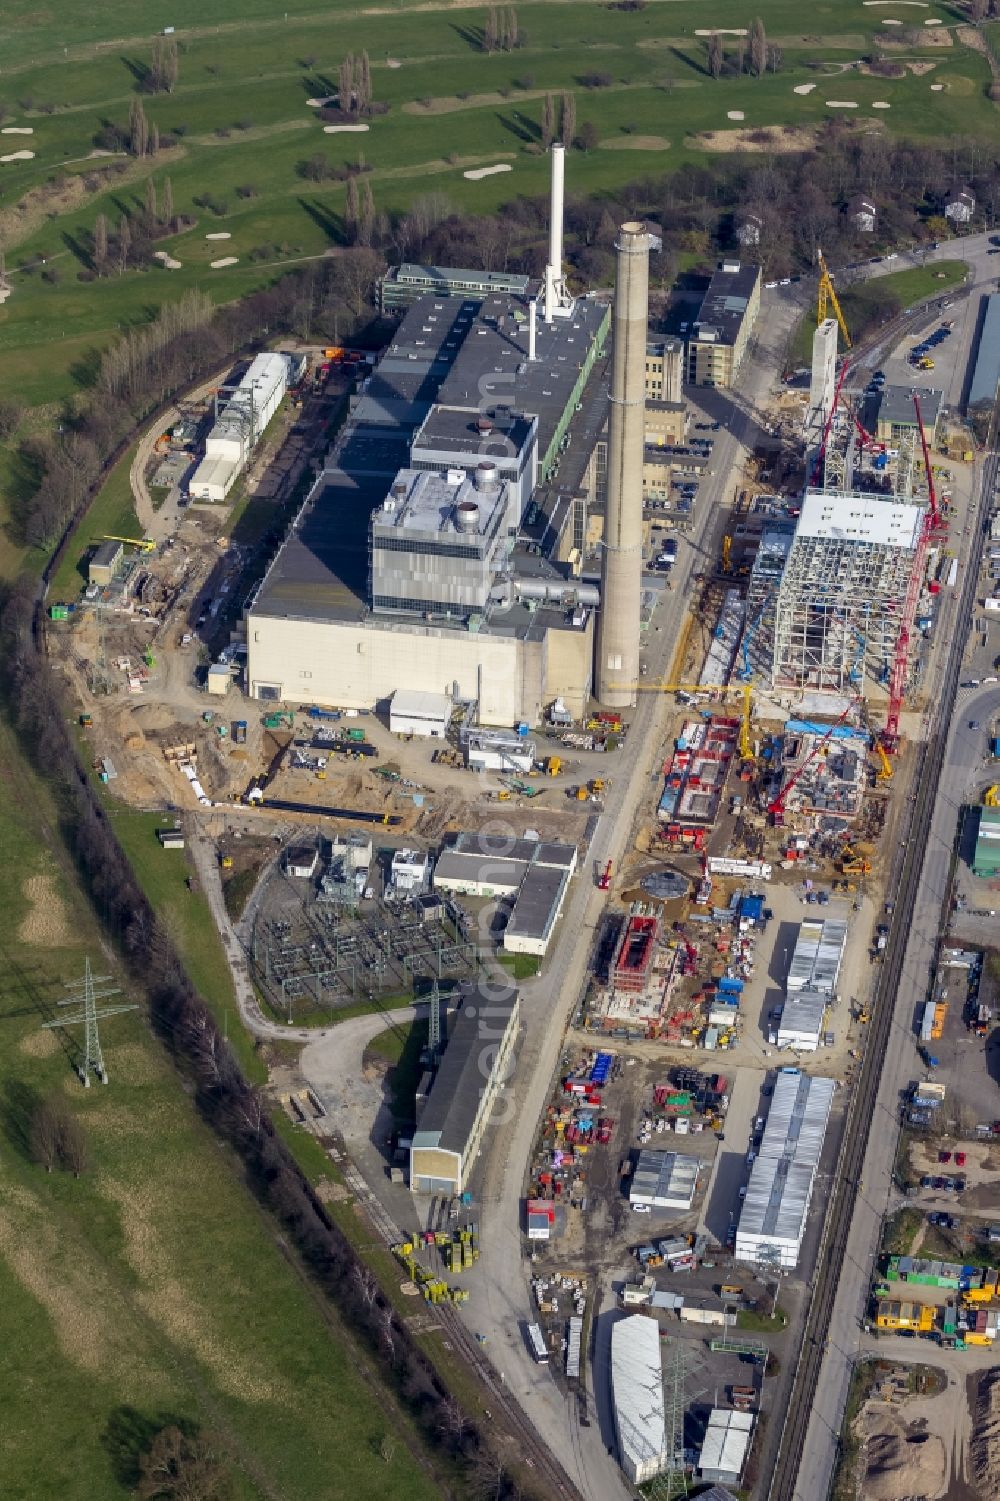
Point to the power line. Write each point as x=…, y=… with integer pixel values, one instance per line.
x=86, y=995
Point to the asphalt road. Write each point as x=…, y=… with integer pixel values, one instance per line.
x=834, y=1336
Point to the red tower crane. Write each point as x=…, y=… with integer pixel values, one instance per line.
x=932, y=522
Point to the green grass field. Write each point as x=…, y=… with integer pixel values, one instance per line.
x=241, y=105
x=112, y=514
x=152, y=1286
x=906, y=288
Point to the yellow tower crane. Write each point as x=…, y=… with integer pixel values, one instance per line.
x=144, y=544
x=826, y=295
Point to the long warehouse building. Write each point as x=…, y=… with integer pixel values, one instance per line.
x=775, y=1211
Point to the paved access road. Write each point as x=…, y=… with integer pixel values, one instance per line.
x=830, y=1350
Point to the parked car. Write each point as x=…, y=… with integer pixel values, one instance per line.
x=960, y=1159
x=944, y=1157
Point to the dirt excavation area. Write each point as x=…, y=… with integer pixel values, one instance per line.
x=927, y=1435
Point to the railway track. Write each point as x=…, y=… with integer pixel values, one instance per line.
x=862, y=1109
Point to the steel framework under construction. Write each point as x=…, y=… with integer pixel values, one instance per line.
x=835, y=609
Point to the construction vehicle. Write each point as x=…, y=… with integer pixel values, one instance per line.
x=853, y=863
x=727, y=551
x=239, y=732
x=87, y=721
x=597, y=786
x=142, y=543
x=226, y=862
x=278, y=720
x=580, y=793
x=825, y=295
x=885, y=765
x=503, y=796
x=991, y=797
x=553, y=766
x=604, y=879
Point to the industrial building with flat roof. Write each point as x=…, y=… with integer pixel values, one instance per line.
x=897, y=415
x=721, y=333
x=773, y=1216
x=239, y=425
x=470, y=1076
x=637, y=1395
x=985, y=380
x=535, y=874
x=726, y=1444
x=986, y=860
x=823, y=610
x=664, y=1180
x=318, y=625
x=818, y=955
x=403, y=285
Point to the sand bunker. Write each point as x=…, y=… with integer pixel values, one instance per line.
x=227, y=260
x=881, y=104
x=933, y=23
x=220, y=234
x=4, y=294
x=920, y=4
x=635, y=143
x=17, y=130
x=334, y=130
x=937, y=88
x=735, y=114
x=841, y=104
x=167, y=260
x=803, y=88
x=393, y=62
x=776, y=138
x=19, y=156
x=725, y=31
x=887, y=21
x=319, y=103
x=475, y=173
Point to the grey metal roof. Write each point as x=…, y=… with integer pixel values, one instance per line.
x=896, y=406
x=483, y=869
x=802, y=1016
x=781, y=1179
x=538, y=901
x=725, y=302
x=637, y=1390
x=816, y=959
x=986, y=374
x=493, y=365
x=474, y=1031
x=664, y=1178
x=457, y=429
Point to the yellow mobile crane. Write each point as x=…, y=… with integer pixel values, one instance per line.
x=142, y=543
x=826, y=295
x=885, y=765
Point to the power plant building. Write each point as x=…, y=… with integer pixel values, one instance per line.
x=823, y=605
x=402, y=286
x=403, y=568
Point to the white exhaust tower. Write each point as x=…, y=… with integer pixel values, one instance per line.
x=557, y=302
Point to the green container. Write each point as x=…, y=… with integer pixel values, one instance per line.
x=58, y=612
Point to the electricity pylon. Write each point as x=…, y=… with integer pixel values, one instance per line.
x=86, y=996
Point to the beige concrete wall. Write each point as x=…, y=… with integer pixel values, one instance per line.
x=351, y=667
x=568, y=665
x=354, y=667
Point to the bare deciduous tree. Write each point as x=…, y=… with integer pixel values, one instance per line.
x=181, y=1466
x=100, y=242
x=548, y=121
x=44, y=1134
x=73, y=1150
x=168, y=203
x=151, y=202
x=568, y=120
x=758, y=47
x=716, y=56
x=366, y=215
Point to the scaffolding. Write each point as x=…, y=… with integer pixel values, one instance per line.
x=835, y=608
